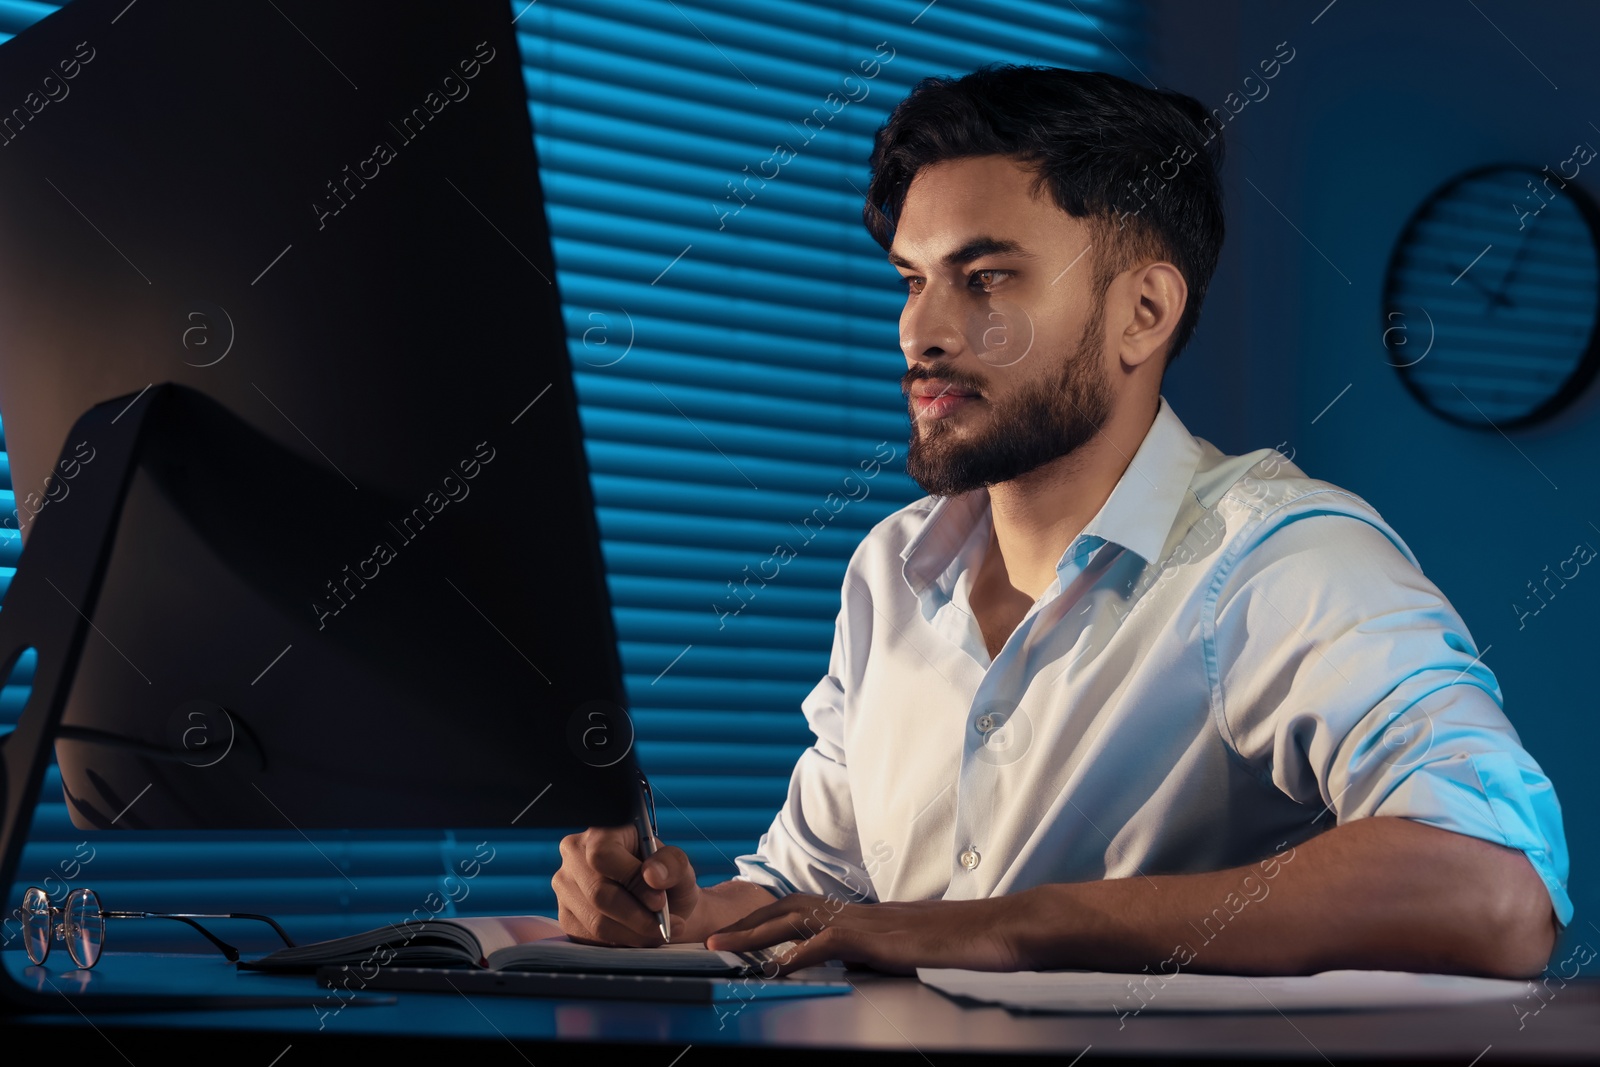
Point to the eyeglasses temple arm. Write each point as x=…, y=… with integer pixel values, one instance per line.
x=269, y=920
x=227, y=950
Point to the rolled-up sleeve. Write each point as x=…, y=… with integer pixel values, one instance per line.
x=1345, y=678
x=812, y=845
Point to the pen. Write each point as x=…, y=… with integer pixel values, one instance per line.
x=646, y=822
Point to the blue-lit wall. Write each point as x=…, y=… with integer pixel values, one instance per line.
x=1382, y=103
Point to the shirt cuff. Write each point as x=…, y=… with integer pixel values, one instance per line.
x=1489, y=795
x=757, y=871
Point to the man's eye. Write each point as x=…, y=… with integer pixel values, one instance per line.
x=913, y=284
x=987, y=279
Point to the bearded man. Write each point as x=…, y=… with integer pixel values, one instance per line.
x=1108, y=698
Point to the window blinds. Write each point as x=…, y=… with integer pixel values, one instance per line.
x=733, y=337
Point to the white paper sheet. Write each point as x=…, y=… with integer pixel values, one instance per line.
x=1102, y=992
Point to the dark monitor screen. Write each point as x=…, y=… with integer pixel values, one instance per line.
x=357, y=581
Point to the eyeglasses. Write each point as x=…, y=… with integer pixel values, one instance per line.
x=80, y=922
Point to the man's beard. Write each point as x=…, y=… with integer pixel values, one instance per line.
x=1041, y=423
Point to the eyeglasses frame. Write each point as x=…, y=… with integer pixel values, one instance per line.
x=57, y=930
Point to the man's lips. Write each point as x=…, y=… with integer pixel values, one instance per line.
x=932, y=387
x=935, y=398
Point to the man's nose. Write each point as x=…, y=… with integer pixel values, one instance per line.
x=931, y=326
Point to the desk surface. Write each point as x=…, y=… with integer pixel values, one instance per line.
x=884, y=1015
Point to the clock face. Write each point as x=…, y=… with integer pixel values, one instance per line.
x=1490, y=306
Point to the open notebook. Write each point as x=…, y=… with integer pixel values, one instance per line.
x=506, y=943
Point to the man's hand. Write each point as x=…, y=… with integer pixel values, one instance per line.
x=604, y=894
x=980, y=935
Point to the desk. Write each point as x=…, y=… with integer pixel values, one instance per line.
x=891, y=1018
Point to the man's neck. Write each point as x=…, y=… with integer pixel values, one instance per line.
x=1037, y=515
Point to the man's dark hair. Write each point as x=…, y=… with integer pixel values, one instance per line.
x=1137, y=164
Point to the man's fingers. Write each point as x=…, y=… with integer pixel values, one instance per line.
x=621, y=866
x=799, y=954
x=667, y=868
x=608, y=895
x=668, y=878
x=790, y=919
x=619, y=909
x=610, y=916
x=580, y=848
x=755, y=918
x=772, y=932
x=614, y=860
x=606, y=931
x=789, y=953
x=597, y=908
x=818, y=929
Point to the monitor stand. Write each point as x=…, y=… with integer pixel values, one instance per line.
x=48, y=608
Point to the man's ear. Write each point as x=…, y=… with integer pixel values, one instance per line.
x=1158, y=294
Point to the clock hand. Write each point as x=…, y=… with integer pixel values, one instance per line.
x=1516, y=262
x=1492, y=297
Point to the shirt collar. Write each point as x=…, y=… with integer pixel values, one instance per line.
x=1138, y=515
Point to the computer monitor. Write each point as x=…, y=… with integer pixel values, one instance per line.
x=357, y=580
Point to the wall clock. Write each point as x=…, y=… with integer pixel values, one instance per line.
x=1492, y=299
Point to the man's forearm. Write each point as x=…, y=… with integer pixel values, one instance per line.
x=1380, y=893
x=722, y=904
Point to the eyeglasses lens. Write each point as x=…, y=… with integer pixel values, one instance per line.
x=35, y=915
x=85, y=927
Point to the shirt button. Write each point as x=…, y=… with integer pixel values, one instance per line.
x=970, y=858
x=985, y=723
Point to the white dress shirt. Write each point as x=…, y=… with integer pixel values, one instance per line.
x=1233, y=657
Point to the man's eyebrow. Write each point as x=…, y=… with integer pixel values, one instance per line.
x=976, y=248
